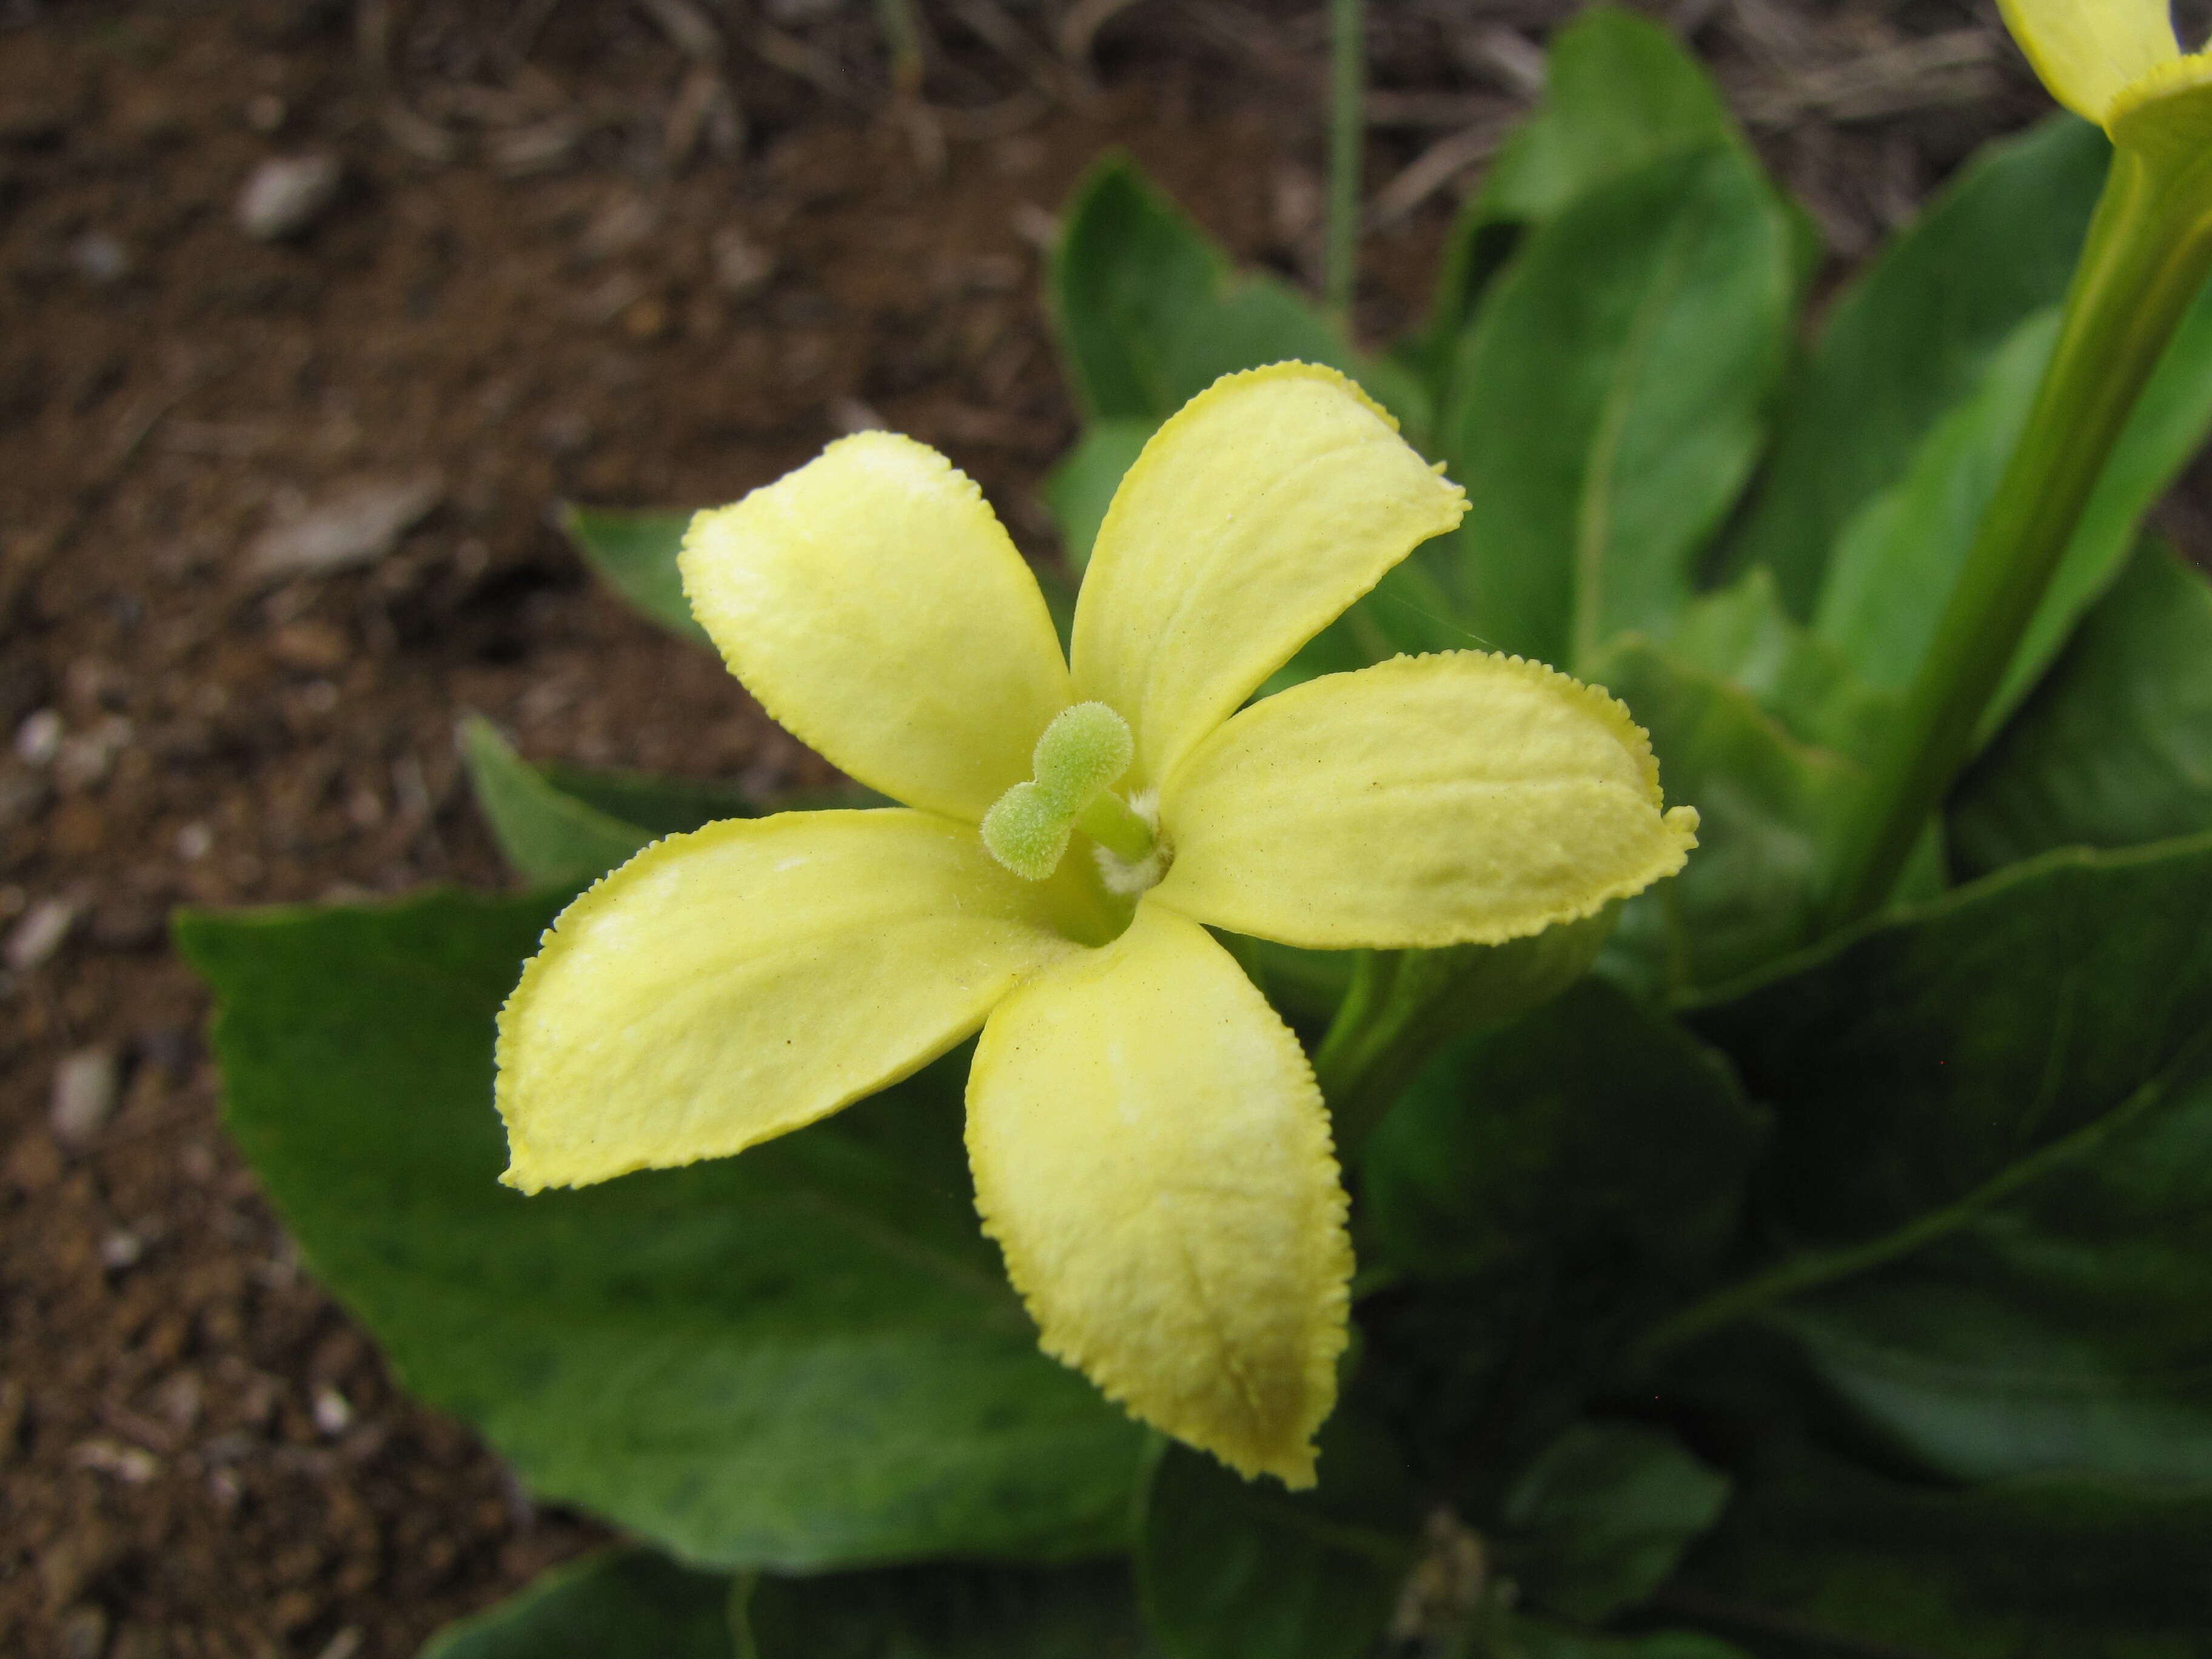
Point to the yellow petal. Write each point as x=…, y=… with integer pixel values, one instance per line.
x=726, y=987
x=2089, y=51
x=1255, y=516
x=1150, y=1152
x=1451, y=799
x=876, y=607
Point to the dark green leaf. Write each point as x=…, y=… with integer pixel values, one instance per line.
x=1232, y=1568
x=1532, y=1638
x=623, y=1604
x=1600, y=1519
x=658, y=805
x=1127, y=272
x=634, y=553
x=2115, y=748
x=947, y=1612
x=1911, y=336
x=1620, y=94
x=1081, y=485
x=1609, y=402
x=1546, y=1188
x=1915, y=1063
x=1590, y=1123
x=1743, y=634
x=548, y=837
x=1818, y=1560
x=2060, y=1326
x=802, y=1358
x=1151, y=312
x=1751, y=891
x=1257, y=319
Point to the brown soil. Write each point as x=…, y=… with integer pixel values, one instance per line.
x=582, y=250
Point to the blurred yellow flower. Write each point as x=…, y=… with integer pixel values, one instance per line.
x=1148, y=1144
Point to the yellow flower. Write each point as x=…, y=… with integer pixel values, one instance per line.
x=1148, y=1145
x=2112, y=60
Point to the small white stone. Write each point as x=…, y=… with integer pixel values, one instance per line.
x=333, y=1412
x=40, y=933
x=39, y=739
x=121, y=1248
x=100, y=259
x=194, y=842
x=85, y=1087
x=287, y=194
x=742, y=266
x=352, y=523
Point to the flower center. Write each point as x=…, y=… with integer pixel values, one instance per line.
x=1077, y=760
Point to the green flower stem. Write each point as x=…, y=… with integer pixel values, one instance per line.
x=1109, y=821
x=1404, y=1006
x=2148, y=251
x=1347, y=127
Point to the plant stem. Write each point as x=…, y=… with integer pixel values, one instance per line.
x=1404, y=1005
x=901, y=34
x=1347, y=127
x=2146, y=255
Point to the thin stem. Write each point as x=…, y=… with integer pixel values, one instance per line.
x=2149, y=250
x=1347, y=127
x=1404, y=1006
x=902, y=32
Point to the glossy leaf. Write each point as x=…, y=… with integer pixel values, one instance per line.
x=619, y=1604
x=1992, y=1171
x=950, y=1612
x=1237, y=1570
x=1544, y=1188
x=1619, y=92
x=1128, y=273
x=2057, y=1329
x=1535, y=1638
x=1598, y=1520
x=1743, y=634
x=548, y=837
x=634, y=553
x=1766, y=802
x=2115, y=747
x=1919, y=1061
x=1609, y=405
x=803, y=1357
x=1817, y=1559
x=1911, y=336
x=1496, y=1154
x=672, y=806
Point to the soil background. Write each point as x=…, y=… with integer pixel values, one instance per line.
x=651, y=252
